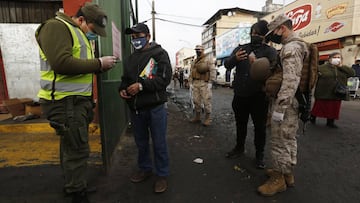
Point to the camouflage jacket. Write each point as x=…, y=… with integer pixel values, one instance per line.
x=209, y=76
x=292, y=55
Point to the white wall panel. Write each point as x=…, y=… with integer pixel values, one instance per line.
x=21, y=59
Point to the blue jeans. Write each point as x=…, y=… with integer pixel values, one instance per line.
x=151, y=122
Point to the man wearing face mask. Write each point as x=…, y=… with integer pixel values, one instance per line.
x=284, y=107
x=249, y=97
x=67, y=68
x=147, y=73
x=202, y=75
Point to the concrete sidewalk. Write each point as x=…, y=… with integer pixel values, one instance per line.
x=33, y=142
x=39, y=125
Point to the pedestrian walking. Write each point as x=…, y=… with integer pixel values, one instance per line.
x=175, y=77
x=146, y=75
x=181, y=78
x=67, y=67
x=327, y=101
x=284, y=107
x=356, y=67
x=249, y=96
x=202, y=76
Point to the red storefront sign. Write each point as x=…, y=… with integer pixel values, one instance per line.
x=329, y=45
x=300, y=16
x=334, y=27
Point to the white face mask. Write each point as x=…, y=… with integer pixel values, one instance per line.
x=335, y=61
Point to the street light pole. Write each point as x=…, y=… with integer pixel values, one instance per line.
x=153, y=19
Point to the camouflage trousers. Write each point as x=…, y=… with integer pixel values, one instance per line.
x=70, y=117
x=283, y=143
x=201, y=95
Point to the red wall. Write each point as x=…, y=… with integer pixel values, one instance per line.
x=72, y=6
x=3, y=88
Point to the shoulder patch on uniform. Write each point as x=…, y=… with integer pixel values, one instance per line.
x=288, y=51
x=292, y=48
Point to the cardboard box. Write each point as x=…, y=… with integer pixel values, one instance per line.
x=33, y=109
x=3, y=109
x=26, y=101
x=15, y=107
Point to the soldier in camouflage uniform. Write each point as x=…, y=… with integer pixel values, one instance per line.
x=202, y=76
x=284, y=108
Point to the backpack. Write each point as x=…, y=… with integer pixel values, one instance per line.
x=309, y=72
x=308, y=79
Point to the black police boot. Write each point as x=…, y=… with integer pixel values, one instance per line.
x=80, y=197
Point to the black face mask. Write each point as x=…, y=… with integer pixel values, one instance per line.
x=276, y=38
x=198, y=53
x=256, y=40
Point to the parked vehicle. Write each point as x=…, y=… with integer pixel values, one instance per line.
x=224, y=77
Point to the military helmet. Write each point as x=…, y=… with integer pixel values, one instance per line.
x=260, y=69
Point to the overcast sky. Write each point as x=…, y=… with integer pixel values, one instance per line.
x=174, y=36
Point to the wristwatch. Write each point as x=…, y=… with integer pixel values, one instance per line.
x=140, y=87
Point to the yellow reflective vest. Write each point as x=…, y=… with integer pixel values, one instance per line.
x=54, y=86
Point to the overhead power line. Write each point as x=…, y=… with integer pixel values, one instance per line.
x=193, y=25
x=188, y=17
x=180, y=23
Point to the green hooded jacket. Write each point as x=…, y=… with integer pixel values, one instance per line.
x=327, y=80
x=55, y=40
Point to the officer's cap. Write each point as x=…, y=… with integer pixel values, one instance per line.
x=279, y=20
x=94, y=14
x=138, y=28
x=199, y=47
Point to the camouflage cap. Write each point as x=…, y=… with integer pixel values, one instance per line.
x=279, y=20
x=94, y=14
x=199, y=47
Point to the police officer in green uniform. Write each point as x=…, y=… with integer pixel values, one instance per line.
x=67, y=66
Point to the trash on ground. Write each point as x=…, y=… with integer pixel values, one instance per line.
x=238, y=168
x=198, y=161
x=25, y=117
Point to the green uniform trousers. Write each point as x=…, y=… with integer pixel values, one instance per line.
x=70, y=117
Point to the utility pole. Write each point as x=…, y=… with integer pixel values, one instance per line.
x=153, y=19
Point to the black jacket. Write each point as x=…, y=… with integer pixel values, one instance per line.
x=154, y=88
x=244, y=85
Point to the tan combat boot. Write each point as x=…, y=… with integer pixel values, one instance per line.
x=276, y=183
x=196, y=118
x=208, y=120
x=289, y=177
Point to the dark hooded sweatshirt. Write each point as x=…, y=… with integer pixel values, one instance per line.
x=154, y=87
x=244, y=85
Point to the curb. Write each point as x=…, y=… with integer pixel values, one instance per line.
x=94, y=128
